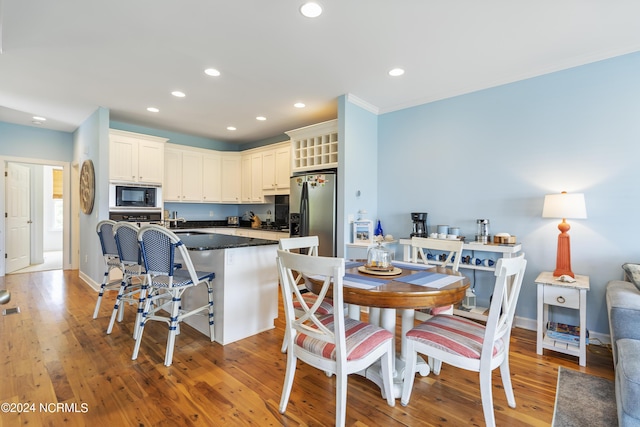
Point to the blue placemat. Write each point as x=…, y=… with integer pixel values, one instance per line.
x=411, y=265
x=352, y=264
x=426, y=278
x=358, y=281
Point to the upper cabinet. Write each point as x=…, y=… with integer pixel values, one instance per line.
x=136, y=157
x=212, y=177
x=231, y=177
x=315, y=147
x=276, y=169
x=252, y=177
x=194, y=174
x=183, y=173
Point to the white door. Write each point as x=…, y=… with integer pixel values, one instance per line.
x=18, y=221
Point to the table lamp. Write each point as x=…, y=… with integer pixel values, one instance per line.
x=564, y=206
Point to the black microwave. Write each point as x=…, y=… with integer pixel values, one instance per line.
x=127, y=196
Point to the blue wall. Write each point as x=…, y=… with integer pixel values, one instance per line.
x=92, y=143
x=495, y=154
x=358, y=160
x=177, y=138
x=35, y=143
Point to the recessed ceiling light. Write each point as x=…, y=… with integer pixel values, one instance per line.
x=261, y=118
x=231, y=128
x=299, y=105
x=153, y=110
x=39, y=119
x=311, y=9
x=178, y=94
x=396, y=72
x=212, y=72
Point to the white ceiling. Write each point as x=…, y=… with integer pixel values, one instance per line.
x=61, y=59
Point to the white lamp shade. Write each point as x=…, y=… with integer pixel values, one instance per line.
x=564, y=206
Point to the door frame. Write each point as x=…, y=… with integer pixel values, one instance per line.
x=69, y=256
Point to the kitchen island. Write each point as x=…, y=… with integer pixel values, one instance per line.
x=245, y=288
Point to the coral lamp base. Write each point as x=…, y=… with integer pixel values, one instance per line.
x=563, y=257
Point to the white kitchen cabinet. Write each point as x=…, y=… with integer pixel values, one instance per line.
x=212, y=177
x=315, y=147
x=172, y=187
x=252, y=178
x=246, y=179
x=183, y=175
x=256, y=178
x=276, y=170
x=136, y=157
x=191, y=177
x=231, y=177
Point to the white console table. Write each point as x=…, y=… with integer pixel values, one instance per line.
x=503, y=251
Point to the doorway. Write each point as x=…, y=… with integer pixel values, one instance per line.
x=36, y=223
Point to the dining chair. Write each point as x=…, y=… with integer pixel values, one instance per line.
x=110, y=258
x=332, y=343
x=126, y=237
x=469, y=345
x=309, y=245
x=453, y=248
x=166, y=284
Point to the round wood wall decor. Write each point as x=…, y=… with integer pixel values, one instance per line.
x=87, y=187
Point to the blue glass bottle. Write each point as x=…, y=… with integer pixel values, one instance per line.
x=379, y=231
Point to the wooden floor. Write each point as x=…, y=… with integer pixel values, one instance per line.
x=60, y=368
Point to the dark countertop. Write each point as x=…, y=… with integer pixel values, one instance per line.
x=223, y=224
x=210, y=241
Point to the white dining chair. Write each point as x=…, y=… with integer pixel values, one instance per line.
x=453, y=250
x=308, y=245
x=166, y=284
x=469, y=345
x=333, y=343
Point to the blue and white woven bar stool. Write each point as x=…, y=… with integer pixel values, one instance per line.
x=166, y=284
x=133, y=286
x=111, y=259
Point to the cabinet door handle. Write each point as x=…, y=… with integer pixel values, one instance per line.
x=561, y=299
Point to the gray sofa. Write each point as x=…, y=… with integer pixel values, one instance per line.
x=623, y=307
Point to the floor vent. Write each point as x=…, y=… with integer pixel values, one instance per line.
x=8, y=311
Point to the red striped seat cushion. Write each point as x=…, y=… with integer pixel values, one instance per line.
x=361, y=338
x=326, y=307
x=453, y=334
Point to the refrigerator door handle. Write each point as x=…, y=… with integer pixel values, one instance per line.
x=304, y=210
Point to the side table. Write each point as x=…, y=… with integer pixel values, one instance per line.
x=553, y=292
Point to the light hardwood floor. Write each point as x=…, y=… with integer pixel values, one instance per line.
x=54, y=352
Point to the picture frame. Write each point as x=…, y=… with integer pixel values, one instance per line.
x=363, y=231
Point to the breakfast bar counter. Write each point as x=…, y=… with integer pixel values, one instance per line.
x=245, y=288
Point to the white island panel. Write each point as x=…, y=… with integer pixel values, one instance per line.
x=245, y=298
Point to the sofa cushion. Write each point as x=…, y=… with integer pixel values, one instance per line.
x=633, y=273
x=623, y=304
x=623, y=308
x=628, y=382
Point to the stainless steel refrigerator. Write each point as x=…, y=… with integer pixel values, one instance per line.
x=312, y=209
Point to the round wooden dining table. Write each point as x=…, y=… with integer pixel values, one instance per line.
x=392, y=293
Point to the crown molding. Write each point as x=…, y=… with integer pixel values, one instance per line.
x=363, y=104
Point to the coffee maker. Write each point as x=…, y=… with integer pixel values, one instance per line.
x=419, y=224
